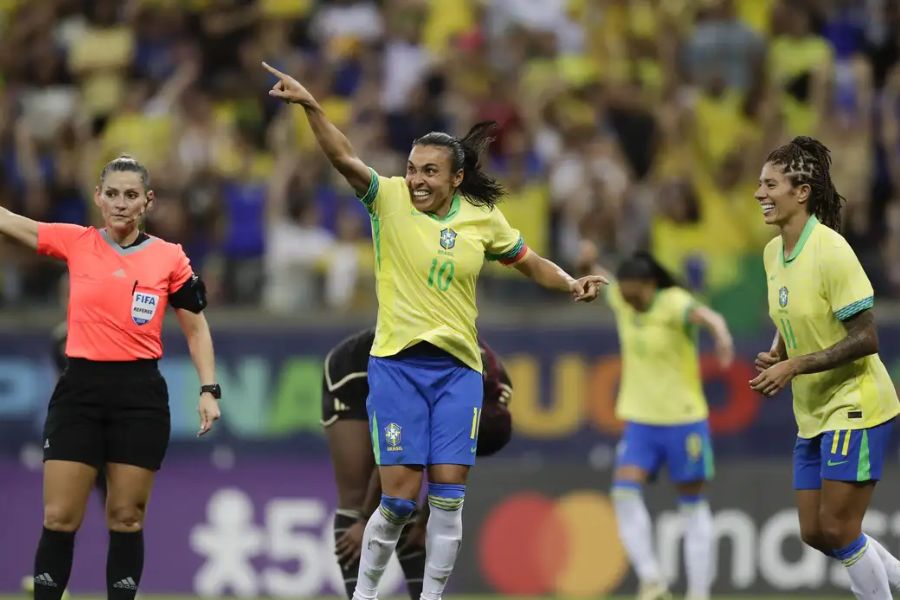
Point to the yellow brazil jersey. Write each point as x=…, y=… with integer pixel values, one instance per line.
x=660, y=382
x=426, y=268
x=810, y=292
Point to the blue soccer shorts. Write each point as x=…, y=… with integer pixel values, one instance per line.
x=685, y=450
x=842, y=455
x=424, y=407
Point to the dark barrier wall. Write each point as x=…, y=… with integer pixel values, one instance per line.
x=565, y=382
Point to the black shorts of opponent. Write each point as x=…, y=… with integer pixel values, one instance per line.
x=345, y=381
x=103, y=412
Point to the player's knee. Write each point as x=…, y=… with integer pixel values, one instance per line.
x=812, y=537
x=630, y=473
x=396, y=510
x=62, y=518
x=125, y=517
x=836, y=533
x=446, y=496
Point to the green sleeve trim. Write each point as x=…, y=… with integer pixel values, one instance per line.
x=508, y=254
x=851, y=310
x=369, y=197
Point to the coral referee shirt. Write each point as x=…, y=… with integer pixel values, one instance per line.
x=117, y=296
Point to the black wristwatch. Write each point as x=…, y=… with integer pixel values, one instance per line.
x=213, y=389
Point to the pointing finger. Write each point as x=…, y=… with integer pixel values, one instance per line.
x=273, y=70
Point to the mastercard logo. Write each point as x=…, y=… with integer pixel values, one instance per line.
x=532, y=544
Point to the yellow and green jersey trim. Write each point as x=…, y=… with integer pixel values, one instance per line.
x=804, y=237
x=851, y=310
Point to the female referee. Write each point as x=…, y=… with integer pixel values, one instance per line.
x=826, y=346
x=665, y=412
x=432, y=232
x=110, y=406
x=345, y=387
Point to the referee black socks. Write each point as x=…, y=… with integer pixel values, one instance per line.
x=53, y=563
x=124, y=564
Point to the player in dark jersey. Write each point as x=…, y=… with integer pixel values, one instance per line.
x=345, y=387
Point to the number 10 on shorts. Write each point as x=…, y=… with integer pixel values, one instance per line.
x=476, y=422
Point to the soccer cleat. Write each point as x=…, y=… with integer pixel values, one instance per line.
x=653, y=591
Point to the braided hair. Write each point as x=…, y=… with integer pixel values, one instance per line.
x=477, y=187
x=805, y=160
x=643, y=266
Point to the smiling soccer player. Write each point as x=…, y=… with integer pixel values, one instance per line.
x=827, y=349
x=432, y=230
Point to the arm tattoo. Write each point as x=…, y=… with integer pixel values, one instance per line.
x=861, y=340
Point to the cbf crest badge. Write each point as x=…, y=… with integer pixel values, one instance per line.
x=143, y=307
x=783, y=297
x=392, y=437
x=448, y=238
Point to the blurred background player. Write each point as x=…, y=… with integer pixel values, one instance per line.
x=110, y=405
x=662, y=403
x=820, y=300
x=345, y=388
x=432, y=233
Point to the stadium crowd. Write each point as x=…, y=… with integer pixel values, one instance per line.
x=631, y=123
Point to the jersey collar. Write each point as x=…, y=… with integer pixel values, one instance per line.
x=454, y=208
x=804, y=235
x=130, y=249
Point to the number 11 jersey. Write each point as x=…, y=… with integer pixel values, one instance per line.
x=426, y=268
x=810, y=293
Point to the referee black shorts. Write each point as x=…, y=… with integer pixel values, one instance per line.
x=104, y=412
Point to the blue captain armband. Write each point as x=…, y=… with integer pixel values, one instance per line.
x=191, y=296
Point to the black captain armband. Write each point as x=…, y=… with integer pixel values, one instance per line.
x=191, y=296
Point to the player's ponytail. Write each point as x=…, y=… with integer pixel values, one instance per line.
x=805, y=160
x=477, y=187
x=643, y=266
x=124, y=162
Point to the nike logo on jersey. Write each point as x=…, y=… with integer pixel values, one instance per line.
x=832, y=463
x=119, y=273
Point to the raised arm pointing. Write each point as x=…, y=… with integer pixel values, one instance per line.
x=19, y=228
x=334, y=143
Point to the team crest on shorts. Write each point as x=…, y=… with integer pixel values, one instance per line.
x=783, y=296
x=448, y=238
x=392, y=436
x=143, y=307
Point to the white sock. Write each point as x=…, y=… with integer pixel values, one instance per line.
x=867, y=573
x=891, y=564
x=442, y=541
x=378, y=543
x=635, y=531
x=698, y=538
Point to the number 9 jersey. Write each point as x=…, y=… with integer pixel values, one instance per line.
x=426, y=268
x=810, y=293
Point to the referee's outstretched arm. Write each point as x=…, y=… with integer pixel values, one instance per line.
x=199, y=339
x=19, y=228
